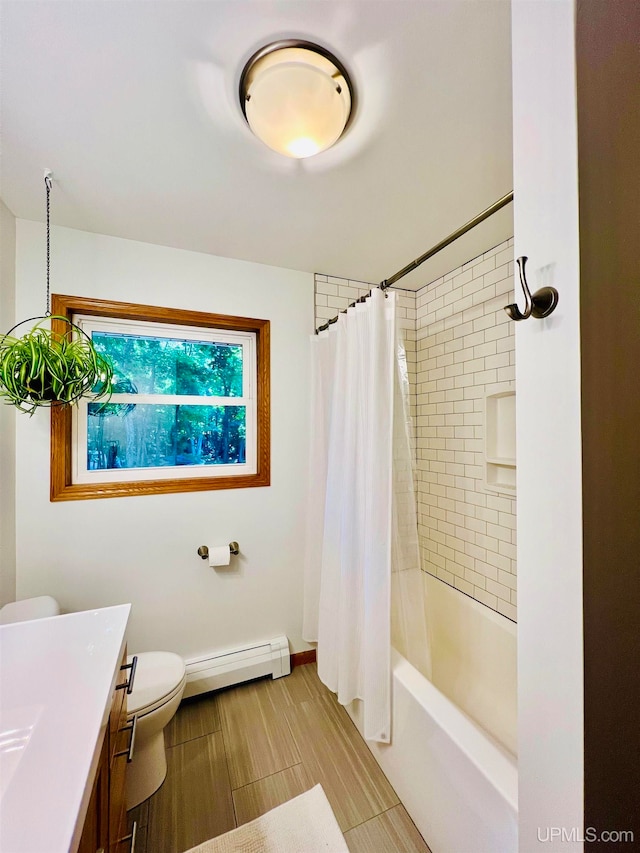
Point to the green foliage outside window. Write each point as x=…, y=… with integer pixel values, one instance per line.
x=172, y=366
x=153, y=434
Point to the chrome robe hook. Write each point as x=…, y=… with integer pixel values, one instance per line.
x=541, y=304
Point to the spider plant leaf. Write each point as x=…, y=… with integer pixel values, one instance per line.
x=43, y=367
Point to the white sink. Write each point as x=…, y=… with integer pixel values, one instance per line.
x=56, y=680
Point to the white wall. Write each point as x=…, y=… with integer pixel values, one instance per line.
x=550, y=656
x=143, y=549
x=7, y=414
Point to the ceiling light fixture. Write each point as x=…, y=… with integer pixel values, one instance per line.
x=296, y=97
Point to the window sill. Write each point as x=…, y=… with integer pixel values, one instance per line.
x=87, y=491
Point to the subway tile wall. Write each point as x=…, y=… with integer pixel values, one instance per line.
x=460, y=346
x=466, y=349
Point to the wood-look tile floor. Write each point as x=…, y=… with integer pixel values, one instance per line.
x=235, y=754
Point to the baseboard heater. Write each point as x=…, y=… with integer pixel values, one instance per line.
x=221, y=669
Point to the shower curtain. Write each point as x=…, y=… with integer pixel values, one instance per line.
x=361, y=522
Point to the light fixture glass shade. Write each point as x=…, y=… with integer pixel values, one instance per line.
x=297, y=101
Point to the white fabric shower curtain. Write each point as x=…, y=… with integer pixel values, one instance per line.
x=347, y=608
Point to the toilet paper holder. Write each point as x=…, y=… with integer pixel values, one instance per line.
x=203, y=550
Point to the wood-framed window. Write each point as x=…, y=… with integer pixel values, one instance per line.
x=190, y=409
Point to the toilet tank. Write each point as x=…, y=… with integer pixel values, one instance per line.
x=29, y=608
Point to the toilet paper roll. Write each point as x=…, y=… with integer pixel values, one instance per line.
x=219, y=555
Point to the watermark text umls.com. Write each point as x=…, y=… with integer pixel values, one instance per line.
x=575, y=834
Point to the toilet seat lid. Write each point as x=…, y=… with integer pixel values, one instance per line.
x=157, y=675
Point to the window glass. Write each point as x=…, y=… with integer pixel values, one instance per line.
x=157, y=365
x=182, y=399
x=155, y=436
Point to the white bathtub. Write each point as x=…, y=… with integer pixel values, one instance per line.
x=451, y=762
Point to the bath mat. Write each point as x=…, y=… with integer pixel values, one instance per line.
x=305, y=823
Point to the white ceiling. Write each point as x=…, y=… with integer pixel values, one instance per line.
x=133, y=105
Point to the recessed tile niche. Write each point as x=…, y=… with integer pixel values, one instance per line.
x=500, y=442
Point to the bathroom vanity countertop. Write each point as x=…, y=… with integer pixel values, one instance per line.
x=57, y=677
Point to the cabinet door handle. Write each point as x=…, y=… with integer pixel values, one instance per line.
x=129, y=728
x=131, y=837
x=129, y=683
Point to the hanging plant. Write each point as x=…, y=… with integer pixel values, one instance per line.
x=45, y=367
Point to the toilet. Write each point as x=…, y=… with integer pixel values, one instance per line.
x=158, y=685
x=28, y=609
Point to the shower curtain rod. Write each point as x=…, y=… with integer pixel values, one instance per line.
x=389, y=282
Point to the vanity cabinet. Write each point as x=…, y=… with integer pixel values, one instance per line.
x=105, y=826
